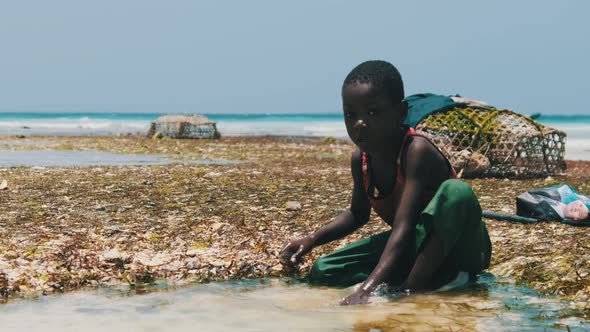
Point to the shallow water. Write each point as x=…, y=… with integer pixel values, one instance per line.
x=22, y=142
x=53, y=158
x=273, y=305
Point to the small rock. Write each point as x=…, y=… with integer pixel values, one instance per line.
x=4, y=185
x=115, y=256
x=195, y=252
x=174, y=265
x=111, y=231
x=220, y=263
x=293, y=206
x=151, y=260
x=158, y=135
x=212, y=174
x=216, y=226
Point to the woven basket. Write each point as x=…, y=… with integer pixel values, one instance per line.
x=483, y=141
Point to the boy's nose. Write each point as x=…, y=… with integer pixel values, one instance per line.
x=360, y=124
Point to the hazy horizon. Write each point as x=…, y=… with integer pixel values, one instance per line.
x=268, y=57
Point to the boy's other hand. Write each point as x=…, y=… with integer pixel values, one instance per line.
x=294, y=250
x=358, y=297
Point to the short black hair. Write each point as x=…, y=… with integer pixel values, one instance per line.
x=381, y=74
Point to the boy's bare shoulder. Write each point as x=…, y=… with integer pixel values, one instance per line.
x=424, y=157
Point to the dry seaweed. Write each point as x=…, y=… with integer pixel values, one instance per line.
x=65, y=228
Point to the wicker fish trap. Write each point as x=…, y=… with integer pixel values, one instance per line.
x=183, y=126
x=483, y=141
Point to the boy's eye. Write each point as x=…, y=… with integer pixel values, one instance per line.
x=348, y=115
x=372, y=112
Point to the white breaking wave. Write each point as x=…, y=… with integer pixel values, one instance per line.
x=573, y=130
x=89, y=126
x=577, y=149
x=295, y=128
x=81, y=126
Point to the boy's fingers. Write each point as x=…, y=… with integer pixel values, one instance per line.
x=286, y=245
x=294, y=257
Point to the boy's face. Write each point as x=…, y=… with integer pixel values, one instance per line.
x=372, y=119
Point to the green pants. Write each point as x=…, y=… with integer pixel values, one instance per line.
x=453, y=214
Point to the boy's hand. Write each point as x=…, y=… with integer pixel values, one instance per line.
x=294, y=250
x=359, y=297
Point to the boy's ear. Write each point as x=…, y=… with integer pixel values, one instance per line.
x=404, y=109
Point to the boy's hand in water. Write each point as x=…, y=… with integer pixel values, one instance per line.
x=294, y=250
x=361, y=296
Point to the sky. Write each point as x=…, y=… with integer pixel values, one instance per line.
x=287, y=56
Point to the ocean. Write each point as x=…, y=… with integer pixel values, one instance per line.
x=577, y=127
x=25, y=123
x=322, y=124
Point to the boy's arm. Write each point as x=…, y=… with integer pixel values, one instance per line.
x=424, y=165
x=353, y=218
x=344, y=224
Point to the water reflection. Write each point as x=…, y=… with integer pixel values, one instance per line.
x=271, y=305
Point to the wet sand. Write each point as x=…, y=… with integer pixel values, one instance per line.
x=64, y=228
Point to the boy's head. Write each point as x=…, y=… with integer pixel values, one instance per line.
x=374, y=106
x=382, y=75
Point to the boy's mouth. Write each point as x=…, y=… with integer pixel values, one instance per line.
x=362, y=142
x=361, y=138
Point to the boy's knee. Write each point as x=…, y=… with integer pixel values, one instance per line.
x=459, y=193
x=454, y=185
x=456, y=190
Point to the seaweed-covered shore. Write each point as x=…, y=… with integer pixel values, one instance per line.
x=63, y=228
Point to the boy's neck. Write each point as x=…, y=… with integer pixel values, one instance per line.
x=390, y=154
x=386, y=156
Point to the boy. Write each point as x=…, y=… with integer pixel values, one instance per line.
x=436, y=231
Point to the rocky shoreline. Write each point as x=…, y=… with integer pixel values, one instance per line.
x=63, y=228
